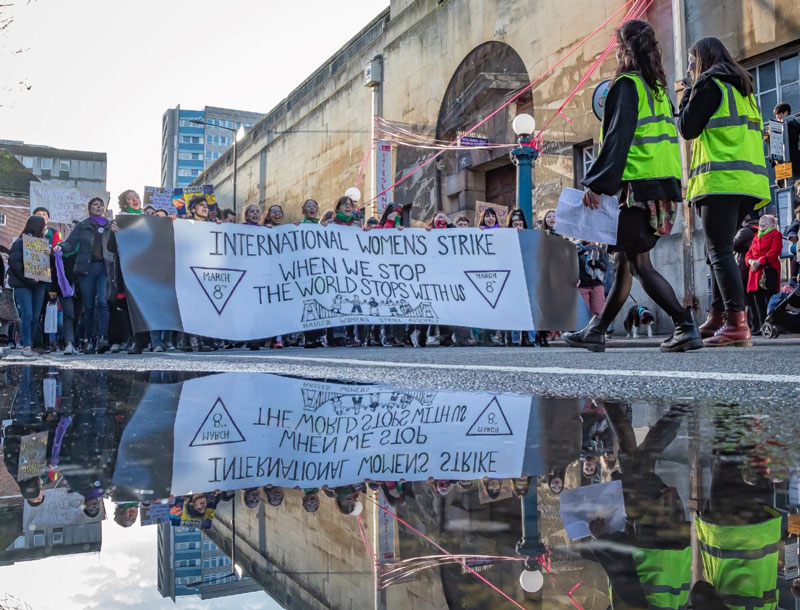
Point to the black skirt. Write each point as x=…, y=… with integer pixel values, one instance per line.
x=635, y=235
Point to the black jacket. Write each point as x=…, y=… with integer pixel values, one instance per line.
x=83, y=236
x=741, y=244
x=591, y=257
x=619, y=126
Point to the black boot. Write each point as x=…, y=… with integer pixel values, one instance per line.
x=685, y=337
x=102, y=345
x=591, y=337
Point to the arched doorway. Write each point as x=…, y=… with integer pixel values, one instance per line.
x=486, y=78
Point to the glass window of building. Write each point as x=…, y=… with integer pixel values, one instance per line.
x=27, y=162
x=2, y=220
x=47, y=163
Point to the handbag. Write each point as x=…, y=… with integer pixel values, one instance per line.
x=8, y=310
x=114, y=283
x=769, y=279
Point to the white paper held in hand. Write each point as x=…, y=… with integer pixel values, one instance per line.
x=573, y=219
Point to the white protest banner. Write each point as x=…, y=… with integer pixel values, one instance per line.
x=231, y=435
x=65, y=203
x=241, y=283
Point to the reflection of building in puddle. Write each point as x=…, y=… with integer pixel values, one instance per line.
x=186, y=557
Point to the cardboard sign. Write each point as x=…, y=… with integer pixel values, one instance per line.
x=794, y=524
x=500, y=210
x=181, y=198
x=67, y=204
x=783, y=171
x=32, y=456
x=36, y=258
x=775, y=131
x=156, y=512
x=159, y=199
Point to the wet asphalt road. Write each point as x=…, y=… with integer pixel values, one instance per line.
x=766, y=376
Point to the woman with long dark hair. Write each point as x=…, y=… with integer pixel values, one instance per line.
x=640, y=161
x=728, y=178
x=28, y=293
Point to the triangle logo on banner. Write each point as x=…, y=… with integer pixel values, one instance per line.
x=218, y=428
x=491, y=422
x=218, y=284
x=489, y=284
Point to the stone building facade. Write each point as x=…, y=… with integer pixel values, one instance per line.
x=447, y=64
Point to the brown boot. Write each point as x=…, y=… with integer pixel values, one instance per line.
x=735, y=332
x=713, y=323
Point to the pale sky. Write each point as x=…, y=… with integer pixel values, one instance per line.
x=124, y=575
x=102, y=72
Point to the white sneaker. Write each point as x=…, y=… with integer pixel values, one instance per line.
x=69, y=350
x=415, y=338
x=4, y=351
x=27, y=352
x=433, y=341
x=116, y=348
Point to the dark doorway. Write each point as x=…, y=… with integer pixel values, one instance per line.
x=501, y=186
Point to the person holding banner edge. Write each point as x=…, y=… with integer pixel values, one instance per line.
x=640, y=159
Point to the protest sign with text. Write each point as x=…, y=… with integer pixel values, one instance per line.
x=243, y=282
x=160, y=199
x=36, y=258
x=66, y=204
x=287, y=432
x=240, y=282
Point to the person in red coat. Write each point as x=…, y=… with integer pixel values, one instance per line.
x=765, y=251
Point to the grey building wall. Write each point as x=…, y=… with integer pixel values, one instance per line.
x=60, y=166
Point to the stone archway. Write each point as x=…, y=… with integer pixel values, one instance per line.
x=486, y=78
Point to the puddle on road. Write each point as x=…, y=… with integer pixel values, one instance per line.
x=262, y=491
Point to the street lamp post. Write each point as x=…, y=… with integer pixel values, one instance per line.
x=238, y=135
x=530, y=545
x=523, y=157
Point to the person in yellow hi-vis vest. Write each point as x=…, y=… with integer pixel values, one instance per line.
x=640, y=161
x=738, y=533
x=727, y=178
x=649, y=564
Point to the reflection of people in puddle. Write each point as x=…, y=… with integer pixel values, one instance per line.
x=274, y=495
x=493, y=488
x=555, y=480
x=738, y=532
x=649, y=564
x=251, y=497
x=28, y=416
x=126, y=513
x=442, y=487
x=346, y=498
x=310, y=500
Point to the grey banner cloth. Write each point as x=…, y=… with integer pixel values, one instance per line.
x=146, y=248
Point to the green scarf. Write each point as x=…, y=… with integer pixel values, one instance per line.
x=398, y=222
x=765, y=231
x=344, y=218
x=128, y=210
x=312, y=220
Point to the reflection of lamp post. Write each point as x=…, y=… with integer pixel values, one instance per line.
x=523, y=157
x=237, y=569
x=530, y=545
x=238, y=135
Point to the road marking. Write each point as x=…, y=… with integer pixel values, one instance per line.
x=549, y=370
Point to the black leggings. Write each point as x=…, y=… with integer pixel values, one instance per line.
x=627, y=266
x=722, y=216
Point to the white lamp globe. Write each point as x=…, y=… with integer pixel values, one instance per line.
x=357, y=509
x=531, y=581
x=523, y=125
x=353, y=193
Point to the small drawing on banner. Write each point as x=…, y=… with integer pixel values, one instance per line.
x=218, y=428
x=489, y=284
x=491, y=422
x=218, y=284
x=314, y=311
